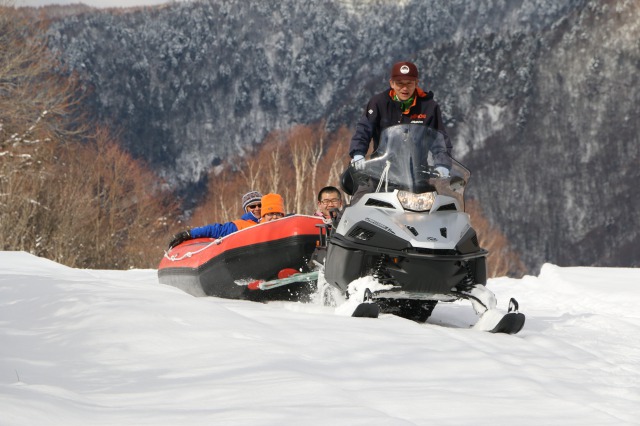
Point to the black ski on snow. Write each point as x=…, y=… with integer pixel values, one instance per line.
x=512, y=322
x=366, y=310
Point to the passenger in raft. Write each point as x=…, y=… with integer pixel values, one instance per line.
x=329, y=198
x=252, y=206
x=272, y=208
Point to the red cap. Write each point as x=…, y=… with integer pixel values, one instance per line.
x=404, y=71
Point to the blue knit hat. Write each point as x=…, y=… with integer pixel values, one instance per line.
x=250, y=197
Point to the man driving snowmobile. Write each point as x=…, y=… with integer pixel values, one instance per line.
x=405, y=102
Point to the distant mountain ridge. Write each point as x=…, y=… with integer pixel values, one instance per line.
x=539, y=98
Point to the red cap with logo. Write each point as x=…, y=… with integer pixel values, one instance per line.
x=404, y=71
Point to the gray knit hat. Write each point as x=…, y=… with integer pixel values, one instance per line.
x=250, y=197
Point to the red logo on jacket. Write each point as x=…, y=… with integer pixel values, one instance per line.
x=418, y=116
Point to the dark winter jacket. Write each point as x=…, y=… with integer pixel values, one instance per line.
x=382, y=112
x=218, y=230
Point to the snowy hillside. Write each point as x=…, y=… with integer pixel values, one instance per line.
x=81, y=347
x=538, y=97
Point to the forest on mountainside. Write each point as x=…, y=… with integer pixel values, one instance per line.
x=538, y=97
x=69, y=192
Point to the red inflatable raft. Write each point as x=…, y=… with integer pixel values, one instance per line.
x=224, y=267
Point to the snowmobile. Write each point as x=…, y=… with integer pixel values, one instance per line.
x=411, y=236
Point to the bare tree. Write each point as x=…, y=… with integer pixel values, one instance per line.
x=250, y=169
x=502, y=259
x=67, y=193
x=300, y=151
x=291, y=163
x=335, y=160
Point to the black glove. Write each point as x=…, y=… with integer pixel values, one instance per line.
x=179, y=238
x=335, y=214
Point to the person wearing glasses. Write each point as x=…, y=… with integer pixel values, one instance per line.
x=251, y=206
x=329, y=198
x=272, y=208
x=403, y=103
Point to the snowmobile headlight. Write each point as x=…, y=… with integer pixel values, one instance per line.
x=416, y=202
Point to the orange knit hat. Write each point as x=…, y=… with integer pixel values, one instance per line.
x=272, y=203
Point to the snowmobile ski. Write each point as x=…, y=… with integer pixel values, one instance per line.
x=511, y=323
x=366, y=310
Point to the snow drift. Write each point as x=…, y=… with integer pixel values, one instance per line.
x=102, y=347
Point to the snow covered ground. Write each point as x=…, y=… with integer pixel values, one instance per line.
x=95, y=347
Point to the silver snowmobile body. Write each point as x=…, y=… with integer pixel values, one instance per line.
x=412, y=234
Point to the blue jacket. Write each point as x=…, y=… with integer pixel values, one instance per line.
x=218, y=230
x=249, y=216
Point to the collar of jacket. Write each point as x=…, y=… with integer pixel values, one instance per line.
x=419, y=94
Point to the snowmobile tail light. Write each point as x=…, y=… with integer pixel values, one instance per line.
x=416, y=202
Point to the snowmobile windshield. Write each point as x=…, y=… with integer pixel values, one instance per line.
x=407, y=158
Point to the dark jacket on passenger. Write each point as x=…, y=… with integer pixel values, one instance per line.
x=382, y=112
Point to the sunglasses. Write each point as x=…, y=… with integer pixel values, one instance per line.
x=254, y=206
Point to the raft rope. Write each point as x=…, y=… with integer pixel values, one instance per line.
x=191, y=253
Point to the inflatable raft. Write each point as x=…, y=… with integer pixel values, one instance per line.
x=224, y=267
